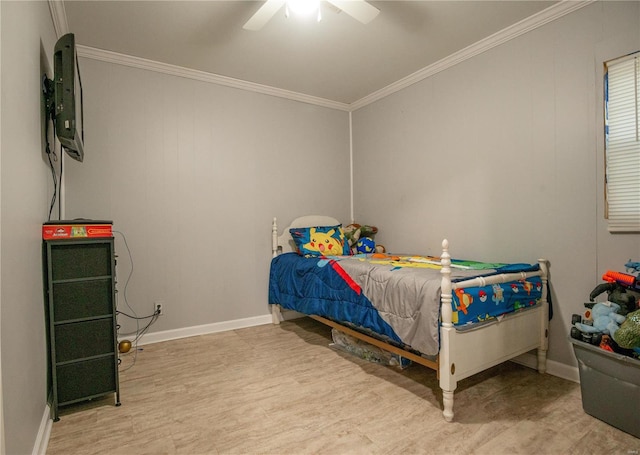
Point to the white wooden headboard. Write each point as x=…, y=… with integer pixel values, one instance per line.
x=284, y=243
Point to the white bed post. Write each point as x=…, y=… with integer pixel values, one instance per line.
x=544, y=329
x=274, y=238
x=446, y=368
x=276, y=315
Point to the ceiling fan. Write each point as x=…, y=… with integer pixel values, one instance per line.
x=358, y=9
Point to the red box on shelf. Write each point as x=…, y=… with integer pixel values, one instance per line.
x=55, y=231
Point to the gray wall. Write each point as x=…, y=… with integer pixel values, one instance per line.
x=27, y=42
x=192, y=174
x=502, y=154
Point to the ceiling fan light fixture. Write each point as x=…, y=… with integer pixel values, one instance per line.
x=304, y=8
x=360, y=10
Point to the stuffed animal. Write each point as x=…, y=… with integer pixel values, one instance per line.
x=368, y=231
x=366, y=245
x=355, y=232
x=605, y=319
x=628, y=336
x=352, y=233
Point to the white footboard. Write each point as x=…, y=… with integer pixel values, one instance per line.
x=464, y=353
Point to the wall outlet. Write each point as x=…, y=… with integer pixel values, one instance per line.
x=159, y=307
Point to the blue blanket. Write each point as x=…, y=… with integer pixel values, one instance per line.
x=397, y=297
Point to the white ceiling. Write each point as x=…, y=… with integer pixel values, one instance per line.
x=338, y=59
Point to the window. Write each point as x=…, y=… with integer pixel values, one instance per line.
x=622, y=143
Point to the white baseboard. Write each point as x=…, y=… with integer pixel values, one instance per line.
x=44, y=432
x=205, y=329
x=553, y=368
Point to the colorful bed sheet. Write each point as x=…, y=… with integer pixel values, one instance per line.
x=397, y=297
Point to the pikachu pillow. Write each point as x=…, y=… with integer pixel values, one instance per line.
x=320, y=241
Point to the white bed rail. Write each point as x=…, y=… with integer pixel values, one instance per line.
x=447, y=286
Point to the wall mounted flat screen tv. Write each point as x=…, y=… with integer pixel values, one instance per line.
x=68, y=97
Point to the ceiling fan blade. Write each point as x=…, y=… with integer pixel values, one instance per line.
x=263, y=15
x=358, y=9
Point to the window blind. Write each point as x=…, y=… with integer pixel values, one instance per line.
x=622, y=148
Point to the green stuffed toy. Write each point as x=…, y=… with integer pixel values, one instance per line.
x=628, y=336
x=368, y=231
x=354, y=232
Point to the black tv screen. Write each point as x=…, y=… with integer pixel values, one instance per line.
x=68, y=97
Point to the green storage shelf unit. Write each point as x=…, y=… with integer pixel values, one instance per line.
x=79, y=286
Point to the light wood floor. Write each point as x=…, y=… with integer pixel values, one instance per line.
x=283, y=390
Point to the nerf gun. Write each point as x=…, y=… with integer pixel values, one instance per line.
x=623, y=279
x=617, y=284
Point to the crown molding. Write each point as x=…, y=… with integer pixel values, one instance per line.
x=545, y=16
x=550, y=14
x=174, y=70
x=59, y=17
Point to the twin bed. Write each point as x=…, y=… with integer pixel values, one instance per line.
x=458, y=317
